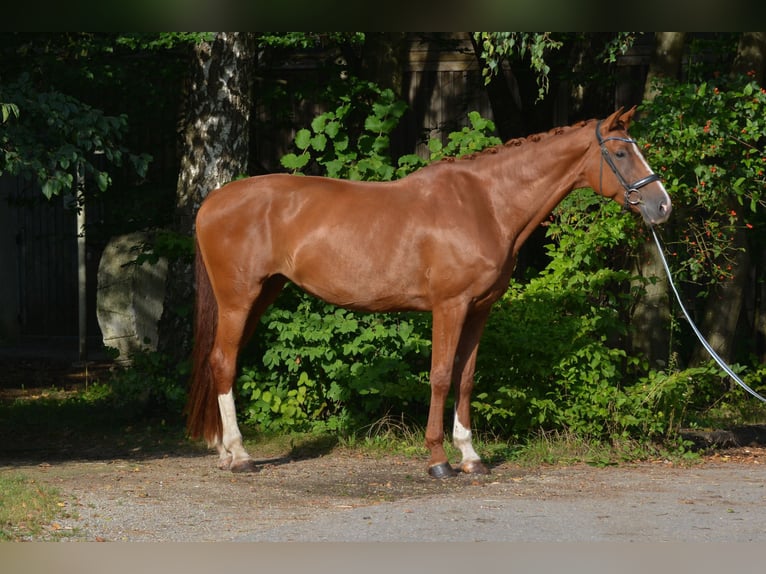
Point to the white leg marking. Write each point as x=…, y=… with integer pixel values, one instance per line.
x=461, y=438
x=232, y=438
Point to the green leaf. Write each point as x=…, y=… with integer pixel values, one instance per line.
x=341, y=144
x=318, y=123
x=103, y=180
x=319, y=142
x=303, y=139
x=373, y=124
x=292, y=161
x=334, y=167
x=50, y=188
x=332, y=129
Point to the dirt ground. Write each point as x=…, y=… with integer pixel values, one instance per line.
x=185, y=498
x=126, y=492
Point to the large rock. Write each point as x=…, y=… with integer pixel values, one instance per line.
x=130, y=297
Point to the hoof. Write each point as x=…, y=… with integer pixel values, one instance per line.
x=247, y=465
x=224, y=463
x=442, y=470
x=474, y=467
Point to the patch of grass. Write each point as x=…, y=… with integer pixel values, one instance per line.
x=389, y=435
x=564, y=448
x=392, y=435
x=26, y=507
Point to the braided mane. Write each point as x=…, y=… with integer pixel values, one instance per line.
x=516, y=142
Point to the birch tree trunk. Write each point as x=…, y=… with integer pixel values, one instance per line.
x=650, y=321
x=214, y=150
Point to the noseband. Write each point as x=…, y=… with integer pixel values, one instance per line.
x=632, y=193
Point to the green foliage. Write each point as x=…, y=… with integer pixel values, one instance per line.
x=308, y=40
x=54, y=133
x=550, y=357
x=162, y=40
x=553, y=357
x=618, y=45
x=324, y=367
x=8, y=110
x=152, y=385
x=472, y=138
x=708, y=142
x=497, y=46
x=169, y=244
x=342, y=149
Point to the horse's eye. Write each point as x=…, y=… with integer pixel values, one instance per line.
x=620, y=153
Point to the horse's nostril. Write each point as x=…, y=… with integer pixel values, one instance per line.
x=663, y=208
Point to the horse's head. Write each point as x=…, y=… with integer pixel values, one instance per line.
x=623, y=174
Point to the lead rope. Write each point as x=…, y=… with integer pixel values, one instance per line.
x=708, y=348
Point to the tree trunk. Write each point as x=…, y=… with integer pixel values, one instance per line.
x=723, y=308
x=751, y=55
x=759, y=305
x=214, y=151
x=384, y=60
x=650, y=321
x=216, y=128
x=666, y=60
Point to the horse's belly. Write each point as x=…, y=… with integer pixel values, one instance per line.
x=364, y=287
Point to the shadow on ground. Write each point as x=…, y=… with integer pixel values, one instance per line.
x=51, y=412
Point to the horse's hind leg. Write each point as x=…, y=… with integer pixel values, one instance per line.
x=235, y=327
x=223, y=362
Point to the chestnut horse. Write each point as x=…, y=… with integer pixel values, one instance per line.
x=443, y=239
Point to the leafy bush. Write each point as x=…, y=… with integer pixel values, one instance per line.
x=708, y=142
x=551, y=357
x=326, y=367
x=151, y=385
x=46, y=135
x=338, y=152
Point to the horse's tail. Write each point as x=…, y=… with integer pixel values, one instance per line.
x=203, y=415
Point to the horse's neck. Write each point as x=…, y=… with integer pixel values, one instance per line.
x=531, y=180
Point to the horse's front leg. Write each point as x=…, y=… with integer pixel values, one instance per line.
x=447, y=325
x=465, y=365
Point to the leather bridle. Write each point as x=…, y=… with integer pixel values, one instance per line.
x=632, y=193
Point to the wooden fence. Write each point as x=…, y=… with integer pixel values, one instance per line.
x=38, y=264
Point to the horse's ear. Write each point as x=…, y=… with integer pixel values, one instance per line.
x=612, y=122
x=627, y=117
x=619, y=120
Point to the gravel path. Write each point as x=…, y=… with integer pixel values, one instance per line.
x=345, y=497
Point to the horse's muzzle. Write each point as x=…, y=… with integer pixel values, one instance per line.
x=656, y=212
